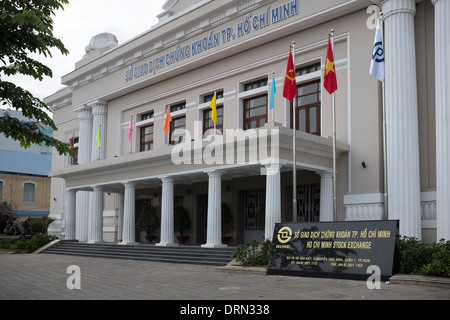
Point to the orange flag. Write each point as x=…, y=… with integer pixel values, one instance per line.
x=168, y=121
x=330, y=81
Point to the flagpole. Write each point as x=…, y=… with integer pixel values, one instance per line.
x=294, y=160
x=334, y=142
x=383, y=90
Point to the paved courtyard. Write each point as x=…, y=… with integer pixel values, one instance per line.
x=45, y=277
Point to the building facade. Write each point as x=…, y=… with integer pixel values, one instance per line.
x=24, y=181
x=119, y=99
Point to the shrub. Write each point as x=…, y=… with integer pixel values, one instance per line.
x=26, y=245
x=419, y=258
x=440, y=261
x=253, y=254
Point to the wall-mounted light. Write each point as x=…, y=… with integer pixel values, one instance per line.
x=364, y=165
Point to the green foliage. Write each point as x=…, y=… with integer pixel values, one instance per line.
x=148, y=220
x=26, y=27
x=26, y=245
x=429, y=260
x=41, y=225
x=253, y=254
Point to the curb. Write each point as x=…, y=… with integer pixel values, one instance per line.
x=415, y=280
x=51, y=244
x=234, y=267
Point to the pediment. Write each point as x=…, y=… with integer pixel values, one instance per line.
x=176, y=6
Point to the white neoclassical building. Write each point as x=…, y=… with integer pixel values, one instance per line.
x=244, y=162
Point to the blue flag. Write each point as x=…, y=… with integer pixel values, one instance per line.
x=273, y=91
x=377, y=63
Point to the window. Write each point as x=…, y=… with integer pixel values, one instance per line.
x=177, y=131
x=208, y=97
x=178, y=124
x=74, y=161
x=147, y=137
x=208, y=123
x=308, y=108
x=28, y=192
x=255, y=112
x=178, y=107
x=255, y=84
x=148, y=115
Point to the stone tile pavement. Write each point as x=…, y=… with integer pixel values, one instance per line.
x=44, y=277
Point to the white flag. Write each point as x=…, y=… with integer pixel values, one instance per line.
x=377, y=63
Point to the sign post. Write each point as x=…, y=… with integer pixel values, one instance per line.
x=334, y=249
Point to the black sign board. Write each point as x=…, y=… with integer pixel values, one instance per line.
x=334, y=249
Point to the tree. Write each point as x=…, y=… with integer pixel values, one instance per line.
x=26, y=27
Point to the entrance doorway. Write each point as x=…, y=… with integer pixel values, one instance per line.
x=202, y=218
x=140, y=205
x=254, y=214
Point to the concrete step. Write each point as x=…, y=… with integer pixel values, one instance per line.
x=181, y=254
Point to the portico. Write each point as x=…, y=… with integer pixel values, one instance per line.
x=165, y=181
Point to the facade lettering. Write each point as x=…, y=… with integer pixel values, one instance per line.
x=227, y=34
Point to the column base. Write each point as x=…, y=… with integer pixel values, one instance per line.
x=214, y=245
x=124, y=243
x=166, y=244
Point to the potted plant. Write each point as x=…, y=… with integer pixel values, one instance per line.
x=227, y=222
x=149, y=222
x=182, y=223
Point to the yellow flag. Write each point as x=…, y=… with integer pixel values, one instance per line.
x=99, y=136
x=214, y=108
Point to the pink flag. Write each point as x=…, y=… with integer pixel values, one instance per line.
x=130, y=130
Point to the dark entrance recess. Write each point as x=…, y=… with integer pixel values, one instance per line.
x=202, y=218
x=140, y=204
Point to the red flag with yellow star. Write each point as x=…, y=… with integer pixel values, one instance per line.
x=330, y=81
x=290, y=85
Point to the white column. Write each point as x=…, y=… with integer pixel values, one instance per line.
x=71, y=215
x=273, y=200
x=326, y=196
x=442, y=69
x=99, y=113
x=167, y=226
x=121, y=211
x=214, y=222
x=84, y=156
x=129, y=219
x=402, y=116
x=96, y=217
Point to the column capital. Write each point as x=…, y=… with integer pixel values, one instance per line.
x=391, y=7
x=129, y=184
x=84, y=113
x=97, y=102
x=325, y=174
x=71, y=191
x=97, y=188
x=99, y=109
x=167, y=179
x=214, y=174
